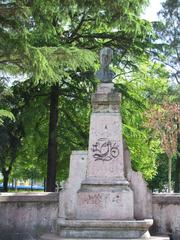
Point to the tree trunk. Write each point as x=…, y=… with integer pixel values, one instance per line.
x=31, y=184
x=5, y=180
x=45, y=184
x=52, y=141
x=15, y=185
x=169, y=174
x=177, y=172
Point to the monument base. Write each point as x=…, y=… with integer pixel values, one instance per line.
x=55, y=237
x=104, y=229
x=113, y=200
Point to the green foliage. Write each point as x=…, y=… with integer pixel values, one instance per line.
x=160, y=180
x=169, y=34
x=140, y=91
x=50, y=64
x=45, y=38
x=31, y=156
x=11, y=131
x=168, y=131
x=5, y=113
x=72, y=129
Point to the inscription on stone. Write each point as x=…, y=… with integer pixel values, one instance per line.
x=93, y=199
x=105, y=150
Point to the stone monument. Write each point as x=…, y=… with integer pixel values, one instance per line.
x=103, y=196
x=105, y=193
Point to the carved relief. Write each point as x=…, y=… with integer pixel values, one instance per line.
x=105, y=150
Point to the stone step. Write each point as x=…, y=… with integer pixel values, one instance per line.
x=55, y=237
x=99, y=229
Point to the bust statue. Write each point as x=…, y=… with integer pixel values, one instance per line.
x=105, y=74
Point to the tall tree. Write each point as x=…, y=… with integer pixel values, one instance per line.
x=177, y=173
x=174, y=92
x=165, y=121
x=169, y=33
x=10, y=134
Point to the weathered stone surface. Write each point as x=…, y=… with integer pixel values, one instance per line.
x=103, y=229
x=25, y=216
x=166, y=198
x=105, y=193
x=142, y=194
x=17, y=228
x=68, y=196
x=29, y=197
x=106, y=99
x=105, y=155
x=105, y=202
x=55, y=237
x=105, y=152
x=166, y=214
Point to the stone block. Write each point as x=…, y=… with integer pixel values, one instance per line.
x=54, y=237
x=68, y=196
x=166, y=214
x=142, y=194
x=104, y=229
x=105, y=154
x=102, y=202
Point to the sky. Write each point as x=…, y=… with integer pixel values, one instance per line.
x=151, y=11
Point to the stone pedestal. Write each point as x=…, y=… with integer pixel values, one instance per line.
x=103, y=229
x=105, y=193
x=55, y=237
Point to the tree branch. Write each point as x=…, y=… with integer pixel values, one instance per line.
x=71, y=38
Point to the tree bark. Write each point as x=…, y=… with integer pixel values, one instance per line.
x=5, y=180
x=177, y=171
x=169, y=174
x=52, y=141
